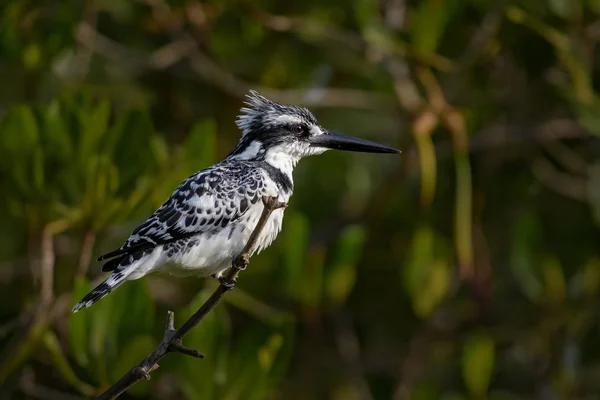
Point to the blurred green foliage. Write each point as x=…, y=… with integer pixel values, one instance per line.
x=466, y=268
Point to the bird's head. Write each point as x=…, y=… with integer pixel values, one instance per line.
x=272, y=130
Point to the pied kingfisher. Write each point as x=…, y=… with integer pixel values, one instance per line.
x=207, y=221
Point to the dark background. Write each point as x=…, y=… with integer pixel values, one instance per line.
x=467, y=267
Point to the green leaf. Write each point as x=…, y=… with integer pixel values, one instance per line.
x=201, y=143
x=78, y=325
x=56, y=134
x=140, y=315
x=341, y=272
x=131, y=354
x=562, y=8
x=103, y=342
x=94, y=124
x=32, y=56
x=60, y=362
x=263, y=349
x=428, y=24
x=594, y=6
x=455, y=396
x=258, y=309
x=19, y=131
x=159, y=149
x=295, y=246
x=427, y=274
x=478, y=363
x=366, y=13
x=434, y=289
x=211, y=337
x=130, y=148
x=38, y=169
x=421, y=255
x=22, y=348
x=554, y=280
x=311, y=284
x=526, y=244
x=593, y=188
x=267, y=353
x=591, y=277
x=425, y=389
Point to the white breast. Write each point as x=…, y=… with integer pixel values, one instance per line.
x=207, y=254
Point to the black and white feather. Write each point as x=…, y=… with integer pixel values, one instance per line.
x=208, y=219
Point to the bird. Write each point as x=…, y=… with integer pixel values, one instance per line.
x=208, y=219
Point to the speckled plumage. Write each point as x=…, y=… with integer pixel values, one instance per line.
x=210, y=216
x=208, y=219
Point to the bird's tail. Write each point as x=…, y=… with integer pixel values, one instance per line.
x=116, y=279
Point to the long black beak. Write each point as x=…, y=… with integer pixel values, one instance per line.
x=338, y=141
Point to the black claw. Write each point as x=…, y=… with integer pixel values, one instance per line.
x=240, y=263
x=226, y=283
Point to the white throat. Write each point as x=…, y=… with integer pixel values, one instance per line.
x=281, y=159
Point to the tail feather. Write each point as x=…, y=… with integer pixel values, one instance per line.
x=115, y=280
x=113, y=264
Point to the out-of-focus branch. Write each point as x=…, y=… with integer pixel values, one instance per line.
x=563, y=183
x=183, y=47
x=215, y=74
x=569, y=159
x=83, y=54
x=42, y=262
x=454, y=122
x=413, y=364
x=85, y=255
x=319, y=30
x=392, y=60
x=490, y=24
x=349, y=350
x=507, y=135
x=496, y=137
x=46, y=267
x=164, y=57
x=172, y=340
x=34, y=390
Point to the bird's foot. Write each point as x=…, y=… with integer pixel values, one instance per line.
x=241, y=262
x=226, y=283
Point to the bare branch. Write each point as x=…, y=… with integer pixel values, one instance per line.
x=563, y=183
x=490, y=24
x=46, y=267
x=34, y=390
x=348, y=347
x=566, y=157
x=85, y=256
x=316, y=30
x=172, y=340
x=184, y=47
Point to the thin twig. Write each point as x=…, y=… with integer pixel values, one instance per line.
x=85, y=256
x=172, y=340
x=33, y=389
x=563, y=183
x=84, y=54
x=349, y=350
x=566, y=157
x=484, y=34
x=209, y=71
x=45, y=265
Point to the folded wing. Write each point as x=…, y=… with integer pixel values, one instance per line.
x=207, y=201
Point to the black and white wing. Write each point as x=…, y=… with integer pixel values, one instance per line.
x=206, y=201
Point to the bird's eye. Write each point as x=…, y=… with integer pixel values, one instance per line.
x=298, y=129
